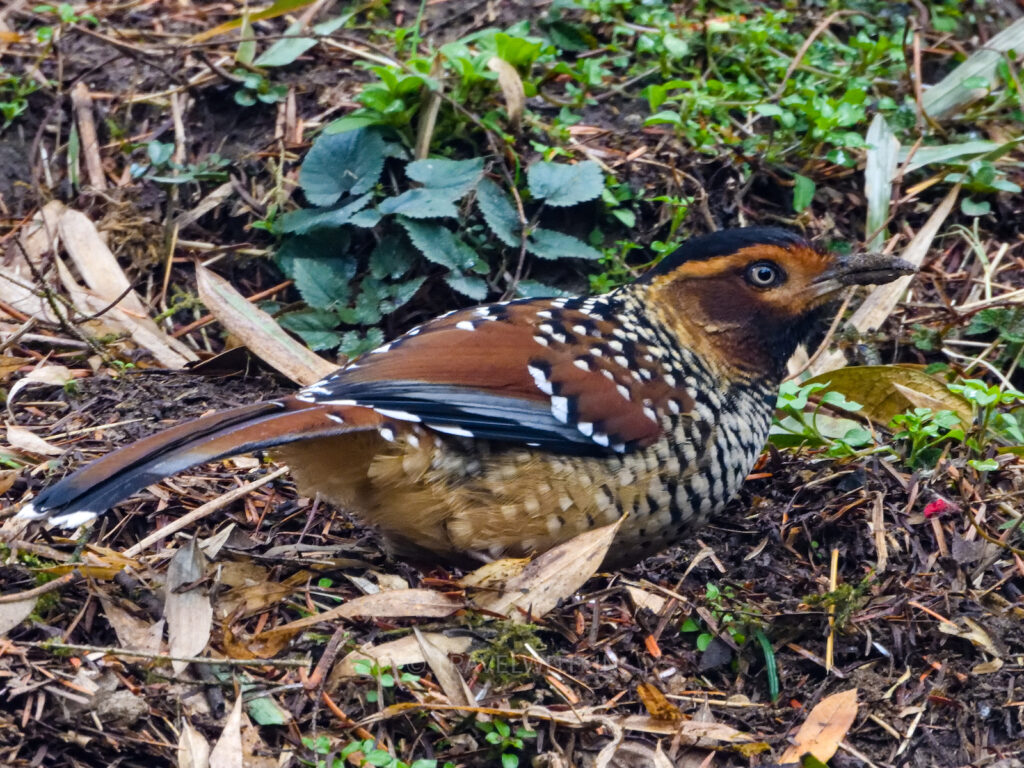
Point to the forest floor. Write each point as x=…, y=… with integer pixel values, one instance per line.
x=891, y=573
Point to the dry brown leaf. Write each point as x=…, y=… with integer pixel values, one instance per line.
x=511, y=88
x=643, y=599
x=227, y=752
x=7, y=478
x=9, y=364
x=95, y=262
x=495, y=573
x=193, y=749
x=28, y=441
x=888, y=390
x=555, y=575
x=445, y=672
x=12, y=614
x=970, y=630
x=259, y=332
x=189, y=614
x=51, y=375
x=405, y=650
x=416, y=603
x=656, y=704
x=145, y=333
x=825, y=726
x=133, y=633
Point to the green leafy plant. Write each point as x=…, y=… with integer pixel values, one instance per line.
x=794, y=425
x=66, y=16
x=384, y=676
x=923, y=433
x=506, y=743
x=212, y=167
x=14, y=92
x=254, y=87
x=395, y=96
x=346, y=282
x=739, y=625
x=362, y=753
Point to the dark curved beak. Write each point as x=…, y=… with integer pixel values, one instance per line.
x=861, y=269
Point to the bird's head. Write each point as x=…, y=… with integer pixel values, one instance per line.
x=748, y=297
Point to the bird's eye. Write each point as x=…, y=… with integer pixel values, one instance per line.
x=764, y=274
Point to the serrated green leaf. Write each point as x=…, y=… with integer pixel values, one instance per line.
x=308, y=219
x=354, y=343
x=561, y=184
x=548, y=244
x=323, y=281
x=402, y=293
x=452, y=178
x=422, y=203
x=391, y=258
x=475, y=288
x=314, y=327
x=342, y=162
x=437, y=243
x=535, y=289
x=499, y=212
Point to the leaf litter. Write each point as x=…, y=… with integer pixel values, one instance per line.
x=928, y=643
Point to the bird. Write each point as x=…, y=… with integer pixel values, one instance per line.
x=507, y=429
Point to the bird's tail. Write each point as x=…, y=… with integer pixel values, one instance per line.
x=93, y=489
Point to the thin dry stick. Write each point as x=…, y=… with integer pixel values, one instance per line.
x=164, y=657
x=42, y=589
x=833, y=584
x=82, y=101
x=204, y=511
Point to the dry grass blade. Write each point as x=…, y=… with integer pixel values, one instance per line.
x=949, y=95
x=258, y=331
x=879, y=171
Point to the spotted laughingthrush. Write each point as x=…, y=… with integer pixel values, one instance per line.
x=512, y=427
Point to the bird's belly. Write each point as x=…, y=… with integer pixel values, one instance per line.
x=469, y=499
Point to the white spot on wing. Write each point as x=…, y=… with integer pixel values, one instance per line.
x=451, y=429
x=465, y=325
x=400, y=415
x=540, y=379
x=586, y=428
x=560, y=408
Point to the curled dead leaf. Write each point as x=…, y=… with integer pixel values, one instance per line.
x=885, y=391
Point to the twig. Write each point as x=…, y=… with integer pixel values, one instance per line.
x=204, y=511
x=42, y=589
x=45, y=645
